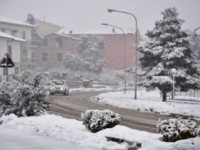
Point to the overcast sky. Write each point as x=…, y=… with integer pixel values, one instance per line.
x=77, y=14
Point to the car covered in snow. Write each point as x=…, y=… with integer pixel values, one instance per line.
x=60, y=86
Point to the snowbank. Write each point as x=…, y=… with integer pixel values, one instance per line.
x=151, y=102
x=73, y=131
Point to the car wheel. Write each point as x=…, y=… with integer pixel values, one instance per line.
x=64, y=93
x=51, y=93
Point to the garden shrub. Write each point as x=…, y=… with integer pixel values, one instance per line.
x=25, y=95
x=96, y=120
x=177, y=129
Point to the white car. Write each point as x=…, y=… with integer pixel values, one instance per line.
x=60, y=86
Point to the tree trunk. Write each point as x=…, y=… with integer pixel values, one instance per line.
x=164, y=93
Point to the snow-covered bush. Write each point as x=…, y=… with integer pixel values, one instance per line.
x=25, y=95
x=177, y=129
x=96, y=120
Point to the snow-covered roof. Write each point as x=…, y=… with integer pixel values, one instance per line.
x=7, y=36
x=108, y=30
x=64, y=35
x=38, y=20
x=13, y=21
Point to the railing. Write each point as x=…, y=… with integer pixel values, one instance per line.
x=28, y=60
x=32, y=44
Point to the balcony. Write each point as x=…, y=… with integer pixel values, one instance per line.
x=30, y=44
x=28, y=60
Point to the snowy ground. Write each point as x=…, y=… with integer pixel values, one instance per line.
x=152, y=102
x=52, y=128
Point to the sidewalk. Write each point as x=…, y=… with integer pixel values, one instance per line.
x=11, y=139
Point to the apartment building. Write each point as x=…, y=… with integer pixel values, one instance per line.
x=20, y=30
x=52, y=52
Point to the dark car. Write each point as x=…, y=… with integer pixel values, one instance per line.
x=59, y=87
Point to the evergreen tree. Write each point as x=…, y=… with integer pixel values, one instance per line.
x=195, y=44
x=167, y=50
x=30, y=19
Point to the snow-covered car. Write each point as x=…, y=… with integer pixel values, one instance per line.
x=60, y=86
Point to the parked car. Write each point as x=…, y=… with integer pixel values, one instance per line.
x=60, y=86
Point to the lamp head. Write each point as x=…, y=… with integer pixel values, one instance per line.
x=110, y=10
x=104, y=24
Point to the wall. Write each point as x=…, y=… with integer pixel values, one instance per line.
x=114, y=51
x=46, y=28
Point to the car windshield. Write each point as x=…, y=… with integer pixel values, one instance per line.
x=58, y=82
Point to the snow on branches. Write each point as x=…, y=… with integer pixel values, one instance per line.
x=88, y=57
x=25, y=95
x=177, y=129
x=167, y=49
x=96, y=120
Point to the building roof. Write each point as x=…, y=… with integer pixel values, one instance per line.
x=67, y=36
x=7, y=36
x=108, y=30
x=13, y=21
x=38, y=20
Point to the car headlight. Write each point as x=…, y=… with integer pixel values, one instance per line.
x=62, y=88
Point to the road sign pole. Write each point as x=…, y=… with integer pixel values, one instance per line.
x=6, y=62
x=6, y=70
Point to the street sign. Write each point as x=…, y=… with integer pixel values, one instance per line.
x=7, y=61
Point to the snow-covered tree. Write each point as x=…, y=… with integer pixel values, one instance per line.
x=88, y=57
x=30, y=19
x=25, y=95
x=195, y=44
x=167, y=50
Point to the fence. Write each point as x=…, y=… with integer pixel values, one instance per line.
x=190, y=93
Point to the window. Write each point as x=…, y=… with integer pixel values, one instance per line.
x=14, y=32
x=3, y=30
x=5, y=71
x=24, y=55
x=59, y=57
x=46, y=42
x=44, y=56
x=10, y=51
x=23, y=35
x=16, y=70
x=33, y=57
x=58, y=42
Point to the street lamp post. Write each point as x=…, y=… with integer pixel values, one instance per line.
x=173, y=90
x=105, y=24
x=112, y=10
x=196, y=30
